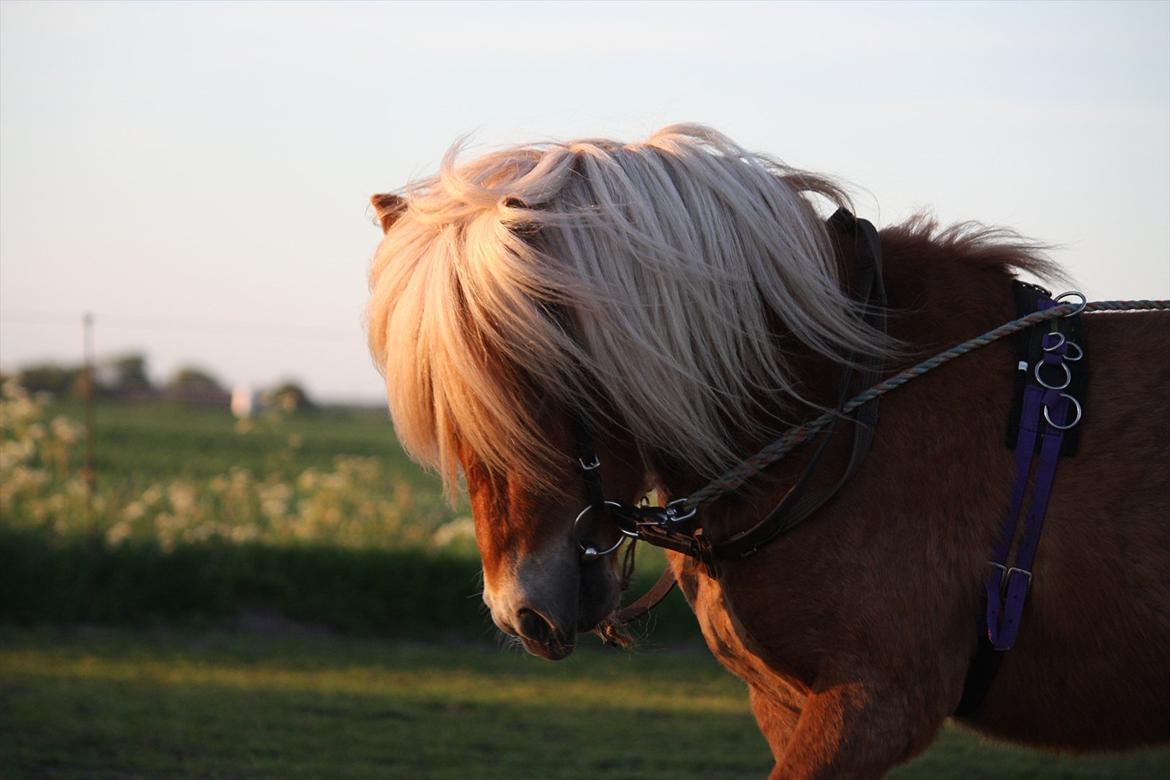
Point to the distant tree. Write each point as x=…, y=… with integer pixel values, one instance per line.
x=129, y=374
x=49, y=378
x=195, y=378
x=290, y=396
x=191, y=384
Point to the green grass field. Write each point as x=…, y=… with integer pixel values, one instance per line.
x=150, y=441
x=116, y=704
x=326, y=647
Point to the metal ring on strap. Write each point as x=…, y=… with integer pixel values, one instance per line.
x=1073, y=345
x=1057, y=345
x=1076, y=407
x=1080, y=307
x=589, y=552
x=1067, y=376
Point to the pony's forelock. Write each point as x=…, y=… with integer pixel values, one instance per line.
x=642, y=283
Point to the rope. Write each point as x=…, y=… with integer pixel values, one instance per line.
x=736, y=476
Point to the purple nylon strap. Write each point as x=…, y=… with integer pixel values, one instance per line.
x=1007, y=586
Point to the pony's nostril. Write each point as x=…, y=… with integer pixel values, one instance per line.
x=533, y=626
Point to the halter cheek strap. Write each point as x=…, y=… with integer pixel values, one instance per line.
x=587, y=459
x=798, y=504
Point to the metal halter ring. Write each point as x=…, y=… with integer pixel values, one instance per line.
x=1080, y=307
x=1057, y=345
x=1067, y=376
x=1076, y=407
x=1062, y=342
x=591, y=553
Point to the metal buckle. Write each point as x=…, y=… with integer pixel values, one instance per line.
x=590, y=466
x=1025, y=572
x=665, y=516
x=1006, y=573
x=1076, y=419
x=675, y=511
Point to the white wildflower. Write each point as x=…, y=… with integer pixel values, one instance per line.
x=460, y=528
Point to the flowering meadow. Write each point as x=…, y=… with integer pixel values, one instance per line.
x=194, y=516
x=354, y=501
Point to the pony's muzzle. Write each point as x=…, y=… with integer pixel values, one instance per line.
x=540, y=637
x=547, y=597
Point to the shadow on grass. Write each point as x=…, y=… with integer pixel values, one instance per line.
x=112, y=706
x=115, y=703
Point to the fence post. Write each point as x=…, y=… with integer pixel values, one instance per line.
x=88, y=472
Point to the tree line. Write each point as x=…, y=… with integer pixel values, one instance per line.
x=127, y=377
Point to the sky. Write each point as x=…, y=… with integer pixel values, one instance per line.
x=198, y=175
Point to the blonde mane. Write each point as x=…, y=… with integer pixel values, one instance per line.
x=644, y=282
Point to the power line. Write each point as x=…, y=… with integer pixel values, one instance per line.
x=192, y=324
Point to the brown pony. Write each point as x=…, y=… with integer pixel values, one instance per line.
x=685, y=297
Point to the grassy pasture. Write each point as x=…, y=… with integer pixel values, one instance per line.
x=115, y=704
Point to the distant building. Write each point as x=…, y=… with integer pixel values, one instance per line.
x=246, y=402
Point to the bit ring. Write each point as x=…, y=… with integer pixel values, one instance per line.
x=589, y=552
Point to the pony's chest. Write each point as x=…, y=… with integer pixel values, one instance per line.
x=726, y=640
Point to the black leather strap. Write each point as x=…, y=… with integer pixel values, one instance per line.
x=980, y=674
x=798, y=504
x=587, y=459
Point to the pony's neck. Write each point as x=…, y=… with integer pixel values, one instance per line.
x=938, y=295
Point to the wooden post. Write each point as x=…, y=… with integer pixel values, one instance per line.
x=88, y=472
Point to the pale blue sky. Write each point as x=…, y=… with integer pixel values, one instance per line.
x=197, y=174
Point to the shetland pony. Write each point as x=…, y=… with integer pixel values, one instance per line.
x=686, y=296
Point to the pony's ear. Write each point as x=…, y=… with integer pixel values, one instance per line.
x=388, y=208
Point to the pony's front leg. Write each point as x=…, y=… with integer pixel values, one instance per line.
x=776, y=716
x=852, y=731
